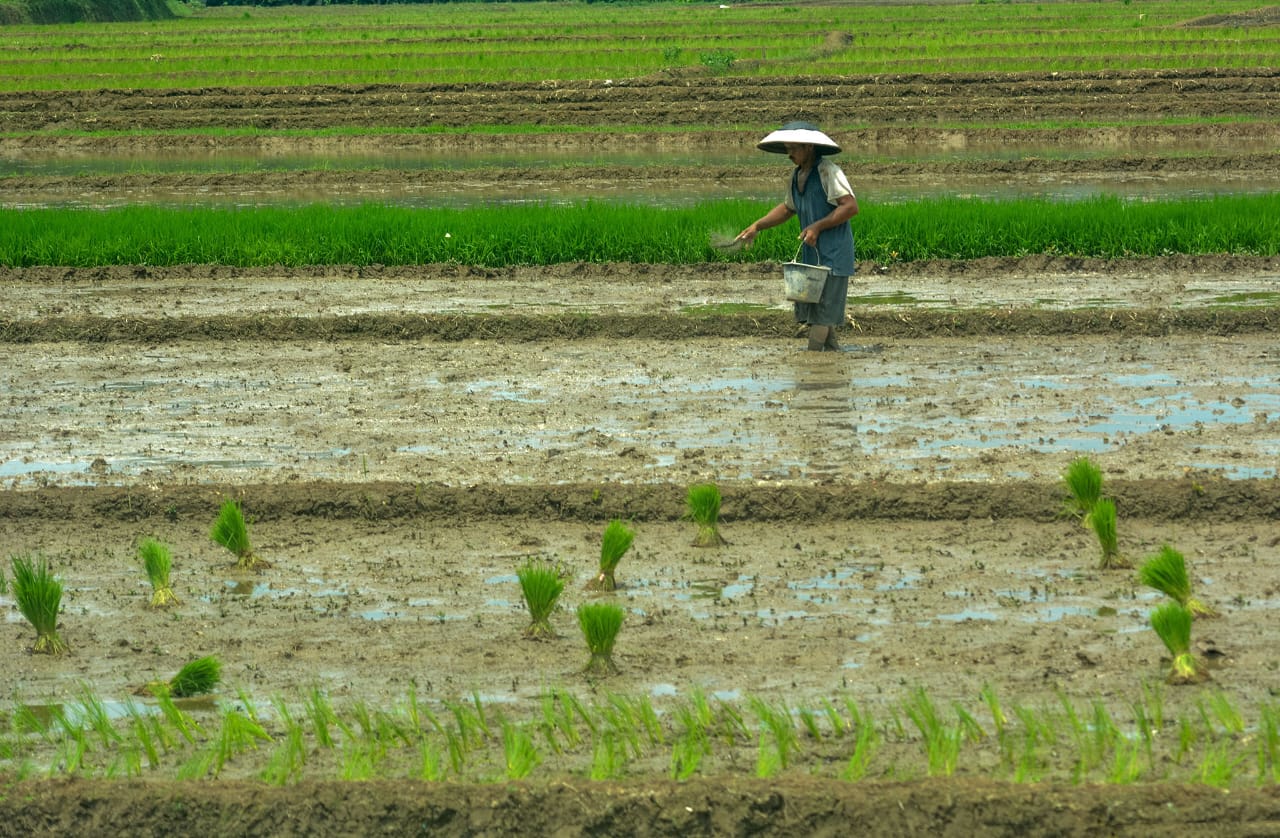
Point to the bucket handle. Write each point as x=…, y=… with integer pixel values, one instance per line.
x=799, y=250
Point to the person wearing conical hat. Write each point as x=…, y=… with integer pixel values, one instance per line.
x=825, y=204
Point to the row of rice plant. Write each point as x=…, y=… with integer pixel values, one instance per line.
x=616, y=735
x=494, y=236
x=473, y=43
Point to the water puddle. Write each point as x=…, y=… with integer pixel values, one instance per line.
x=946, y=414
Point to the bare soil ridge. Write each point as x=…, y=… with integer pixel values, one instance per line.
x=1199, y=497
x=710, y=807
x=667, y=100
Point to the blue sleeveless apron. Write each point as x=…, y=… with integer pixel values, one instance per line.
x=835, y=250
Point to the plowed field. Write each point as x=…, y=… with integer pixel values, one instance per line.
x=402, y=438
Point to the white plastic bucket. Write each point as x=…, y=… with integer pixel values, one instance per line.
x=803, y=283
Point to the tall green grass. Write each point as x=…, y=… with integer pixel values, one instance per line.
x=495, y=236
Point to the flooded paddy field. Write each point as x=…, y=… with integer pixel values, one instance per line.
x=402, y=439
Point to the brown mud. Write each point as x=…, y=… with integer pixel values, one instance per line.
x=722, y=806
x=681, y=100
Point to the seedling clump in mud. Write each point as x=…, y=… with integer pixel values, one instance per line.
x=1084, y=481
x=1172, y=624
x=1166, y=571
x=231, y=531
x=1103, y=521
x=614, y=544
x=541, y=584
x=703, y=503
x=38, y=594
x=157, y=560
x=600, y=623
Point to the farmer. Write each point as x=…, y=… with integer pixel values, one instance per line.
x=825, y=204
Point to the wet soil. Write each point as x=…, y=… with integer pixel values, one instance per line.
x=670, y=99
x=402, y=439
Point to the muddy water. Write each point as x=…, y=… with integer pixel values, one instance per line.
x=964, y=409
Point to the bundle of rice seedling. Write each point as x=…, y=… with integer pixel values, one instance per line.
x=158, y=561
x=198, y=677
x=1166, y=571
x=1103, y=520
x=38, y=594
x=703, y=505
x=231, y=531
x=600, y=623
x=541, y=583
x=615, y=542
x=1172, y=624
x=1084, y=481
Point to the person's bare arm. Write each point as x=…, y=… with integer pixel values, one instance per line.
x=846, y=207
x=778, y=215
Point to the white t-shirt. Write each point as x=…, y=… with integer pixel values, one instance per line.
x=834, y=183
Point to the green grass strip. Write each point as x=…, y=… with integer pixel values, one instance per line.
x=496, y=236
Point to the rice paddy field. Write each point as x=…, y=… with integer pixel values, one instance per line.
x=431, y=295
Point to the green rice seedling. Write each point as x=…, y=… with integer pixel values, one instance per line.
x=608, y=757
x=600, y=623
x=1220, y=764
x=1084, y=481
x=643, y=710
x=1126, y=762
x=1153, y=703
x=1172, y=624
x=519, y=753
x=1187, y=738
x=942, y=742
x=614, y=544
x=127, y=763
x=157, y=560
x=430, y=761
x=730, y=726
x=287, y=761
x=1269, y=744
x=999, y=720
x=200, y=763
x=239, y=732
x=1038, y=734
x=359, y=761
x=457, y=750
x=1166, y=571
x=185, y=725
x=777, y=740
x=809, y=721
x=418, y=712
x=839, y=727
x=198, y=677
x=689, y=747
x=541, y=584
x=322, y=717
x=866, y=742
x=38, y=594
x=143, y=732
x=231, y=531
x=1103, y=521
x=703, y=505
x=620, y=722
x=471, y=722
x=92, y=713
